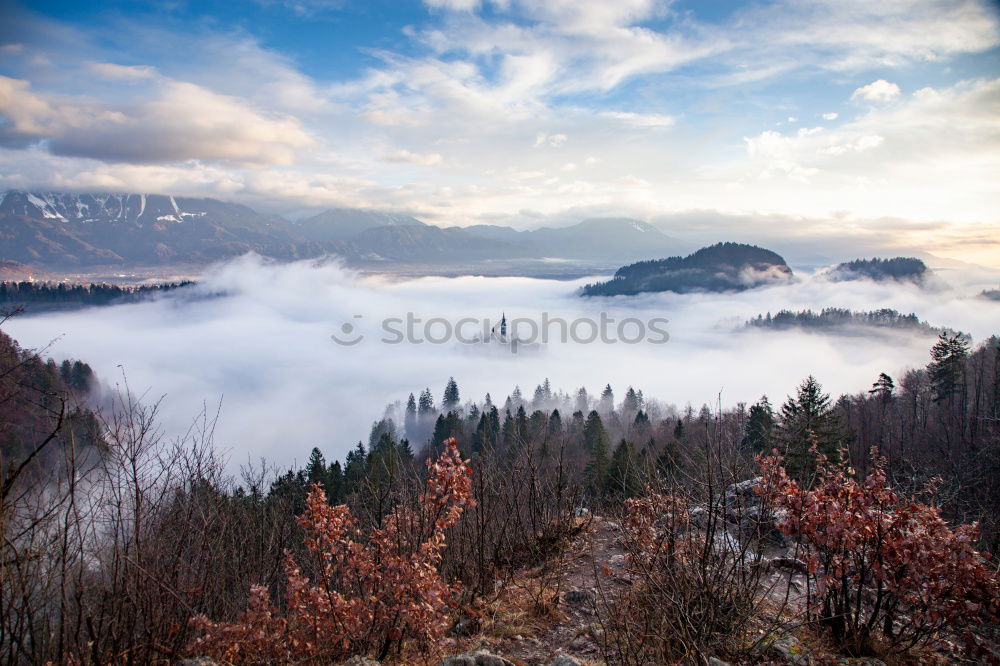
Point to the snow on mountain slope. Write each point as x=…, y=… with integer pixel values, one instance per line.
x=101, y=207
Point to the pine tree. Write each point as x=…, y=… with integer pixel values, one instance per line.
x=582, y=403
x=759, y=427
x=632, y=403
x=555, y=423
x=623, y=478
x=596, y=471
x=410, y=419
x=607, y=404
x=808, y=419
x=594, y=433
x=316, y=470
x=425, y=406
x=947, y=366
x=355, y=468
x=335, y=475
x=451, y=398
x=883, y=388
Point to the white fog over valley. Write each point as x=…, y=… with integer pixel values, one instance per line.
x=256, y=336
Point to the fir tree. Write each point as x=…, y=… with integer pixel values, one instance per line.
x=607, y=404
x=410, y=419
x=759, y=427
x=623, y=478
x=807, y=419
x=632, y=402
x=594, y=433
x=451, y=398
x=947, y=366
x=425, y=406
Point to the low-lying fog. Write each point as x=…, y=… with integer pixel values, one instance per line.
x=265, y=347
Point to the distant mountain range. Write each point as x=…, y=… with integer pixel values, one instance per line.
x=721, y=267
x=64, y=231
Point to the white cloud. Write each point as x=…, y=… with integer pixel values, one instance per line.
x=832, y=115
x=112, y=71
x=877, y=91
x=552, y=140
x=646, y=120
x=405, y=156
x=183, y=121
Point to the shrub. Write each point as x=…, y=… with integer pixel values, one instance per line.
x=883, y=570
x=694, y=588
x=369, y=596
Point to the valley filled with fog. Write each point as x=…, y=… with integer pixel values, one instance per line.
x=256, y=336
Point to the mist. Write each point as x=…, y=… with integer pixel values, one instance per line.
x=255, y=337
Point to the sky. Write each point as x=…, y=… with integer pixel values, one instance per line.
x=254, y=339
x=871, y=123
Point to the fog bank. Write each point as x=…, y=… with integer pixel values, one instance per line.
x=257, y=336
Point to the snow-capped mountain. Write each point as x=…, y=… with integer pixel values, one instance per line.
x=107, y=207
x=59, y=230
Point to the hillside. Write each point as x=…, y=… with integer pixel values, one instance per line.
x=842, y=321
x=901, y=269
x=721, y=267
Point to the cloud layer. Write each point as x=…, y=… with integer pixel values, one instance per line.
x=265, y=350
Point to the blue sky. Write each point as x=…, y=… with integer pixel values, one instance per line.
x=875, y=124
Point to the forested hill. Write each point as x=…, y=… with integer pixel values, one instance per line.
x=35, y=297
x=842, y=320
x=897, y=268
x=720, y=267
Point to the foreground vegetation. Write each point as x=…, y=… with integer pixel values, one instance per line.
x=124, y=547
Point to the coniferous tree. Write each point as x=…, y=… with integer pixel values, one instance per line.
x=451, y=397
x=759, y=426
x=425, y=406
x=410, y=419
x=335, y=476
x=596, y=471
x=947, y=366
x=582, y=404
x=355, y=468
x=607, y=404
x=316, y=469
x=594, y=433
x=623, y=477
x=883, y=388
x=632, y=402
x=807, y=419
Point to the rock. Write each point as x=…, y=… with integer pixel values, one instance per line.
x=582, y=512
x=790, y=564
x=360, y=661
x=743, y=493
x=699, y=516
x=565, y=660
x=712, y=661
x=478, y=658
x=580, y=596
x=197, y=661
x=789, y=649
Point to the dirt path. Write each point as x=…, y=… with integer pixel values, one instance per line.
x=586, y=573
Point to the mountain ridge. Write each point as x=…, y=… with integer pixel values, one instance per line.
x=60, y=231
